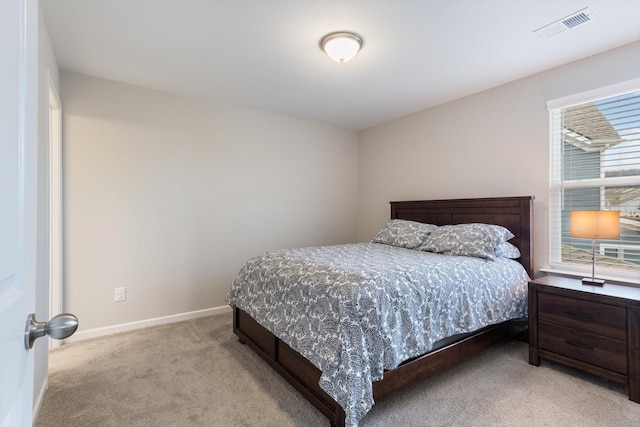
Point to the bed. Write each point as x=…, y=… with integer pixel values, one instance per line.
x=270, y=335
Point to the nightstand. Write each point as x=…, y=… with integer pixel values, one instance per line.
x=593, y=328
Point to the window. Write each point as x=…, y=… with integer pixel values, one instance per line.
x=595, y=165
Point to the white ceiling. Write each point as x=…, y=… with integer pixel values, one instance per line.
x=264, y=54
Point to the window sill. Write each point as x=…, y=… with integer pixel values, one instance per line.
x=631, y=280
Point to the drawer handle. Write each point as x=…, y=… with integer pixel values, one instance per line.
x=579, y=345
x=578, y=316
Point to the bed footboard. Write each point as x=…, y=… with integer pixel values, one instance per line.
x=304, y=376
x=292, y=366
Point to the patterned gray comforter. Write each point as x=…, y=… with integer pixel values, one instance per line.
x=355, y=310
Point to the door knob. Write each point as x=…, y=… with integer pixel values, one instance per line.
x=60, y=327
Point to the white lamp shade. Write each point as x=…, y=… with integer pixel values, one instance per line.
x=595, y=224
x=341, y=47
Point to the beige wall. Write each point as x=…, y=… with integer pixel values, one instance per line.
x=169, y=196
x=494, y=143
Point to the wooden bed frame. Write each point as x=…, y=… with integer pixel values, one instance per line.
x=514, y=213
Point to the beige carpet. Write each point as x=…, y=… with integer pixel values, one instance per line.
x=196, y=373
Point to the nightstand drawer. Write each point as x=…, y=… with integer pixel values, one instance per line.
x=589, y=316
x=595, y=349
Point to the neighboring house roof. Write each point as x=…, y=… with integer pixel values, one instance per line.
x=632, y=225
x=587, y=128
x=623, y=198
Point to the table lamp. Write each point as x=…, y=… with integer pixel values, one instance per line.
x=595, y=225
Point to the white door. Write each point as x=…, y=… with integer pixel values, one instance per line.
x=18, y=173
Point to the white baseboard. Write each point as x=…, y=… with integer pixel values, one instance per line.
x=38, y=403
x=123, y=327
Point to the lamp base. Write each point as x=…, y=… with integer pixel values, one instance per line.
x=592, y=281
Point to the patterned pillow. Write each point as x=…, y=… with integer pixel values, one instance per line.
x=403, y=233
x=507, y=250
x=474, y=240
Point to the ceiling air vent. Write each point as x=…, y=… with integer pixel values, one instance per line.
x=561, y=25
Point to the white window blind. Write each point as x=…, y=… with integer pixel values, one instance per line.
x=595, y=165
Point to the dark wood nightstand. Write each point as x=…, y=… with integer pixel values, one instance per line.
x=596, y=329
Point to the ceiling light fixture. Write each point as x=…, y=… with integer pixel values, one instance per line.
x=341, y=46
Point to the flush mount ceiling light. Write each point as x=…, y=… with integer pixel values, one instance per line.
x=341, y=46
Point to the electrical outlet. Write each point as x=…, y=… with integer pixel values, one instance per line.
x=120, y=294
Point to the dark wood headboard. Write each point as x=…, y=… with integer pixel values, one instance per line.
x=514, y=213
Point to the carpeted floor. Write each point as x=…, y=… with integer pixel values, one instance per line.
x=194, y=373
